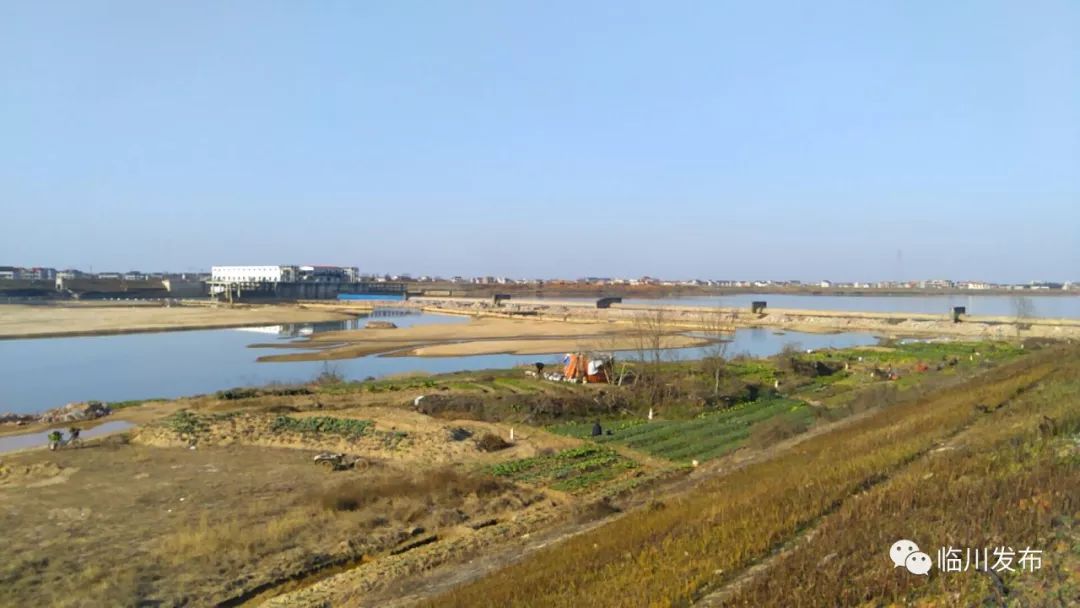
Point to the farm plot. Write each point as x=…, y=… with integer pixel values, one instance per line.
x=573, y=470
x=708, y=436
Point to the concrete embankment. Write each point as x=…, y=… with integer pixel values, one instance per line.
x=690, y=317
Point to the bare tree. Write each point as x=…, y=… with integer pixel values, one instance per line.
x=716, y=326
x=607, y=346
x=650, y=334
x=1024, y=309
x=651, y=338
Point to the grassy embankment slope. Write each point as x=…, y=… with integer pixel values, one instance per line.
x=992, y=461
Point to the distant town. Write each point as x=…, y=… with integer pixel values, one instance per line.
x=351, y=274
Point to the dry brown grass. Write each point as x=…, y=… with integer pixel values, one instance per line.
x=445, y=487
x=1004, y=482
x=490, y=442
x=387, y=499
x=777, y=429
x=237, y=537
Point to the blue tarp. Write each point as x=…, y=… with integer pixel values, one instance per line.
x=395, y=297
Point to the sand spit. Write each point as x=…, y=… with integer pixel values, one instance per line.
x=482, y=336
x=54, y=320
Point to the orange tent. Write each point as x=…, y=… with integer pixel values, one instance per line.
x=575, y=366
x=579, y=367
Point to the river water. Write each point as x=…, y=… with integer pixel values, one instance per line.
x=11, y=443
x=39, y=374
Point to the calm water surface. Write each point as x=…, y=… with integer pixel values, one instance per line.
x=11, y=443
x=43, y=373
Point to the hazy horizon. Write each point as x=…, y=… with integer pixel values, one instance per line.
x=834, y=140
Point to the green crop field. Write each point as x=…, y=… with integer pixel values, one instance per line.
x=708, y=436
x=929, y=352
x=572, y=470
x=583, y=430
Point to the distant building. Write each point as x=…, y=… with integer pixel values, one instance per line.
x=321, y=274
x=69, y=273
x=27, y=274
x=253, y=274
x=285, y=274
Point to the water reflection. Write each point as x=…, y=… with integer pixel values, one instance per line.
x=400, y=317
x=11, y=443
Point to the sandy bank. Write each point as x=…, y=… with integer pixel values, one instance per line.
x=23, y=321
x=482, y=336
x=543, y=346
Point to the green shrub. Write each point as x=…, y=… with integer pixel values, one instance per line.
x=237, y=393
x=186, y=424
x=346, y=427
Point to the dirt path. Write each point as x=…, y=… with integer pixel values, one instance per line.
x=445, y=578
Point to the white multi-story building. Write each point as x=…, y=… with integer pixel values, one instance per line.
x=253, y=274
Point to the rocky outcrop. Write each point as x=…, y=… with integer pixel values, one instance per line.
x=17, y=419
x=76, y=412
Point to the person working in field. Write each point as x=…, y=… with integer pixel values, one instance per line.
x=74, y=431
x=55, y=439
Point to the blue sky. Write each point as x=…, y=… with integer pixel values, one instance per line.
x=842, y=140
